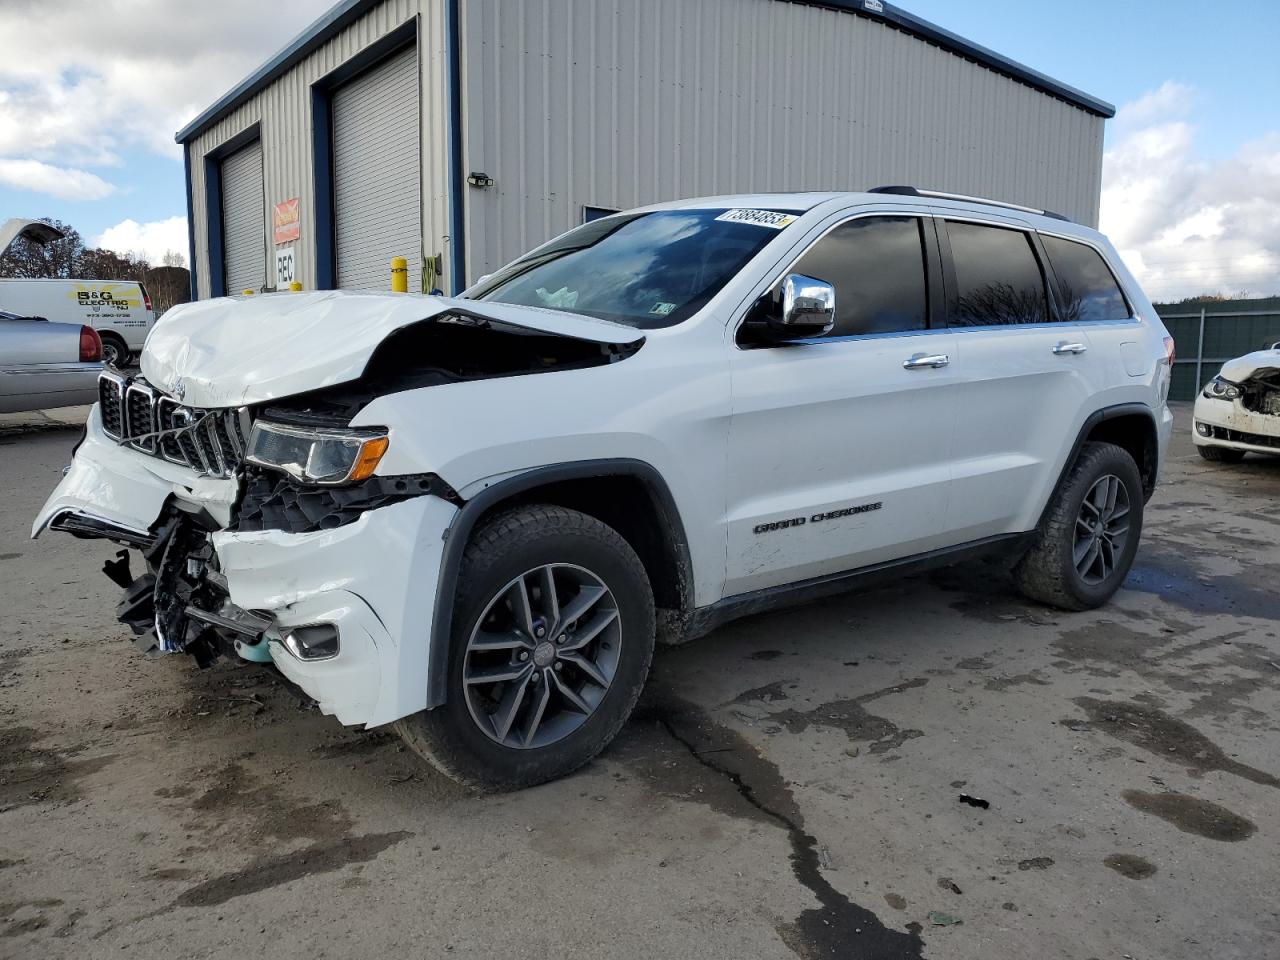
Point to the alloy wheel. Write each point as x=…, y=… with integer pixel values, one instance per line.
x=1102, y=529
x=542, y=656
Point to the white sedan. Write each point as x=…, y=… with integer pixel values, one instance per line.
x=1238, y=411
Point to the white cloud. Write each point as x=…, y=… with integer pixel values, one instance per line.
x=153, y=240
x=97, y=80
x=1186, y=225
x=62, y=182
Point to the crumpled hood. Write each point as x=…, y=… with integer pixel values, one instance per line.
x=1242, y=368
x=233, y=351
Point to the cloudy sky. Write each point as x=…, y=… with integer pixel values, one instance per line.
x=91, y=95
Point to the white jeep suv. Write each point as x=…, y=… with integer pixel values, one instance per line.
x=472, y=517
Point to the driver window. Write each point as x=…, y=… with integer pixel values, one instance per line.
x=877, y=266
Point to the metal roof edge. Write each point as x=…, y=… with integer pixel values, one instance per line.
x=918, y=27
x=348, y=11
x=331, y=23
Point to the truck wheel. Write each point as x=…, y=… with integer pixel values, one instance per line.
x=114, y=351
x=1220, y=454
x=1086, y=546
x=552, y=640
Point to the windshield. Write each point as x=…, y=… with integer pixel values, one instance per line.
x=645, y=270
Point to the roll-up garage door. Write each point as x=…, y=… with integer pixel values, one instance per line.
x=376, y=178
x=244, y=220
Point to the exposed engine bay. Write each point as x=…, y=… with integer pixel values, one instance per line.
x=1261, y=392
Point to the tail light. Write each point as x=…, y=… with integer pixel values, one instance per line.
x=146, y=298
x=1170, y=351
x=90, y=345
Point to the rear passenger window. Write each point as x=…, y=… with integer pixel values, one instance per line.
x=1088, y=287
x=998, y=278
x=877, y=266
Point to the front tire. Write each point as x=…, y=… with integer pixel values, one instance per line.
x=1220, y=454
x=553, y=634
x=1086, y=546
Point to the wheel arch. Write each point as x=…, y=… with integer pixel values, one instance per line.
x=114, y=337
x=593, y=487
x=1130, y=426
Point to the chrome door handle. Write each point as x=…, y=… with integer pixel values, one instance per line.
x=920, y=361
x=1064, y=347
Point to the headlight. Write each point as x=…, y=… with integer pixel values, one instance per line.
x=317, y=454
x=1219, y=389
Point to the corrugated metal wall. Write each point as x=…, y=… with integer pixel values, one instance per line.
x=284, y=112
x=615, y=103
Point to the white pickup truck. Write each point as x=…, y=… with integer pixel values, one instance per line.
x=473, y=517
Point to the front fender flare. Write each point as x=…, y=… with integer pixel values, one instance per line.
x=459, y=532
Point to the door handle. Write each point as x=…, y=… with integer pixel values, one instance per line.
x=920, y=361
x=1074, y=348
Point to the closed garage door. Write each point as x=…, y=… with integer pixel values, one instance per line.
x=244, y=224
x=376, y=177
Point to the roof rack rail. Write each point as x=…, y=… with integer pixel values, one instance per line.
x=939, y=195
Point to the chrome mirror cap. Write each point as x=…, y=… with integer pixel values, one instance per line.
x=808, y=305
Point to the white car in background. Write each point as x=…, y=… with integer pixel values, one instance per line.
x=1238, y=411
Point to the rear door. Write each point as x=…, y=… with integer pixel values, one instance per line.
x=1024, y=374
x=838, y=451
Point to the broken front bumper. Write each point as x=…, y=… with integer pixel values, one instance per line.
x=1226, y=423
x=373, y=579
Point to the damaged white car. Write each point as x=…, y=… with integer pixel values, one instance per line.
x=1238, y=411
x=473, y=517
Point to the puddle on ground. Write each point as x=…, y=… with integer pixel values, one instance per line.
x=31, y=774
x=1192, y=815
x=849, y=715
x=1131, y=866
x=1180, y=583
x=1157, y=732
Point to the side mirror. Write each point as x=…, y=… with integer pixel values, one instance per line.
x=808, y=307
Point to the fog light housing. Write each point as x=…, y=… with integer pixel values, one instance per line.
x=318, y=641
x=1204, y=429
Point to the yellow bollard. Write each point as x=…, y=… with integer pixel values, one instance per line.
x=295, y=286
x=399, y=275
x=247, y=293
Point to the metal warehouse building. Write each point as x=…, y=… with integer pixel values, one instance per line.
x=459, y=133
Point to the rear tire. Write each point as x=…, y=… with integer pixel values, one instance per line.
x=1085, y=547
x=1220, y=454
x=553, y=634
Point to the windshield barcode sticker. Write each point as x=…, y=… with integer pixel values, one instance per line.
x=760, y=218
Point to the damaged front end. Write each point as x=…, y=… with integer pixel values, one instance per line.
x=264, y=528
x=1239, y=409
x=181, y=602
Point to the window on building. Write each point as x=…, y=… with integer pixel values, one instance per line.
x=597, y=213
x=1087, y=286
x=998, y=279
x=877, y=267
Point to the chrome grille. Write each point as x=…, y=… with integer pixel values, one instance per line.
x=210, y=442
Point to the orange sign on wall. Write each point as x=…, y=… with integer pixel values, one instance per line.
x=286, y=221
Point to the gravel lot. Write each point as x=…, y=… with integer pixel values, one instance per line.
x=790, y=787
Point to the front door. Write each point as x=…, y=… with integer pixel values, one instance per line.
x=839, y=446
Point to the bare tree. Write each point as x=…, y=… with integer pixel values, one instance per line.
x=57, y=258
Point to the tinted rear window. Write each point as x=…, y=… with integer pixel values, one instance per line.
x=1087, y=286
x=998, y=278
